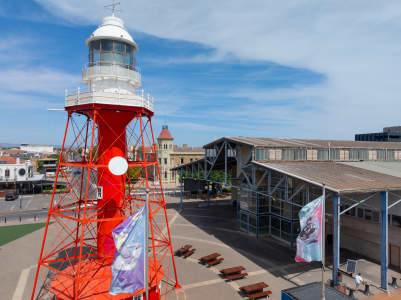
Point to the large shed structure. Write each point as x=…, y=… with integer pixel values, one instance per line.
x=272, y=179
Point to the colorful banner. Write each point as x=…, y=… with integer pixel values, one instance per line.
x=128, y=263
x=309, y=240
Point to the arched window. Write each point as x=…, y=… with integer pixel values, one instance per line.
x=7, y=173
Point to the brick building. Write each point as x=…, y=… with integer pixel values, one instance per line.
x=171, y=156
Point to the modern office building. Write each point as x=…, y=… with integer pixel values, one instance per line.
x=389, y=134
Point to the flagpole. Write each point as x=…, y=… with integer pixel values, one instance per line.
x=146, y=251
x=323, y=240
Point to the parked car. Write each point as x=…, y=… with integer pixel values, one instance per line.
x=10, y=196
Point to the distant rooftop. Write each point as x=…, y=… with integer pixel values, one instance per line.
x=307, y=143
x=165, y=134
x=337, y=177
x=186, y=148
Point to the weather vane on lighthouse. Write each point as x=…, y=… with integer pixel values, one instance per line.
x=113, y=6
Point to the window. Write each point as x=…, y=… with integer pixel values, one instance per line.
x=160, y=161
x=396, y=220
x=261, y=154
x=7, y=173
x=170, y=146
x=160, y=146
x=182, y=160
x=165, y=175
x=191, y=159
x=165, y=146
x=368, y=214
x=165, y=161
x=360, y=212
x=376, y=217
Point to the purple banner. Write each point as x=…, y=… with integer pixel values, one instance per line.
x=128, y=263
x=309, y=240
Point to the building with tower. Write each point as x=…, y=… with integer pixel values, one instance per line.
x=171, y=156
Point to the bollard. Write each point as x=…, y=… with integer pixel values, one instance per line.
x=34, y=217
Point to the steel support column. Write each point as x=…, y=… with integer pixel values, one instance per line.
x=225, y=162
x=384, y=240
x=181, y=181
x=208, y=193
x=336, y=237
x=269, y=190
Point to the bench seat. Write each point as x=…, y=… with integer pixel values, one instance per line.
x=189, y=253
x=236, y=276
x=215, y=262
x=260, y=295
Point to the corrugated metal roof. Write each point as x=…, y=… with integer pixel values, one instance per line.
x=307, y=143
x=392, y=168
x=178, y=149
x=337, y=177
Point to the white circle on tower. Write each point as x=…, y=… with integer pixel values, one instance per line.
x=118, y=165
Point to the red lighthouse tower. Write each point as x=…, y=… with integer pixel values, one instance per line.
x=108, y=164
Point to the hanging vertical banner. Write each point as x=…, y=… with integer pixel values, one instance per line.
x=309, y=240
x=128, y=263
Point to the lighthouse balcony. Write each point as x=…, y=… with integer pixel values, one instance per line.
x=111, y=71
x=109, y=98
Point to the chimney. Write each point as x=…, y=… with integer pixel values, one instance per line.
x=185, y=145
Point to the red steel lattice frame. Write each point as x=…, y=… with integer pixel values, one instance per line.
x=76, y=252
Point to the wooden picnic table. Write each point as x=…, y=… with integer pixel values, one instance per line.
x=232, y=270
x=183, y=249
x=209, y=257
x=253, y=288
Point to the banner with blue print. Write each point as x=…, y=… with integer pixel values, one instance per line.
x=309, y=240
x=128, y=264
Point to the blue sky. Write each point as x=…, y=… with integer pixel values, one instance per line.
x=290, y=71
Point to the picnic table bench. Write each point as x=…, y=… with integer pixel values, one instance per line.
x=209, y=257
x=232, y=270
x=259, y=295
x=255, y=291
x=189, y=252
x=236, y=276
x=215, y=261
x=183, y=250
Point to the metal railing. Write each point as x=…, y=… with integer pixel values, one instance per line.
x=116, y=98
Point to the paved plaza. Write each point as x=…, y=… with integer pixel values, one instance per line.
x=209, y=230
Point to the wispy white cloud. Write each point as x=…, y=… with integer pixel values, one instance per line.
x=26, y=83
x=355, y=45
x=39, y=80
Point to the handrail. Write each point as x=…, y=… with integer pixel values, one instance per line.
x=137, y=99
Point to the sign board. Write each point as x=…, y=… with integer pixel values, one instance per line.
x=351, y=266
x=243, y=205
x=99, y=192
